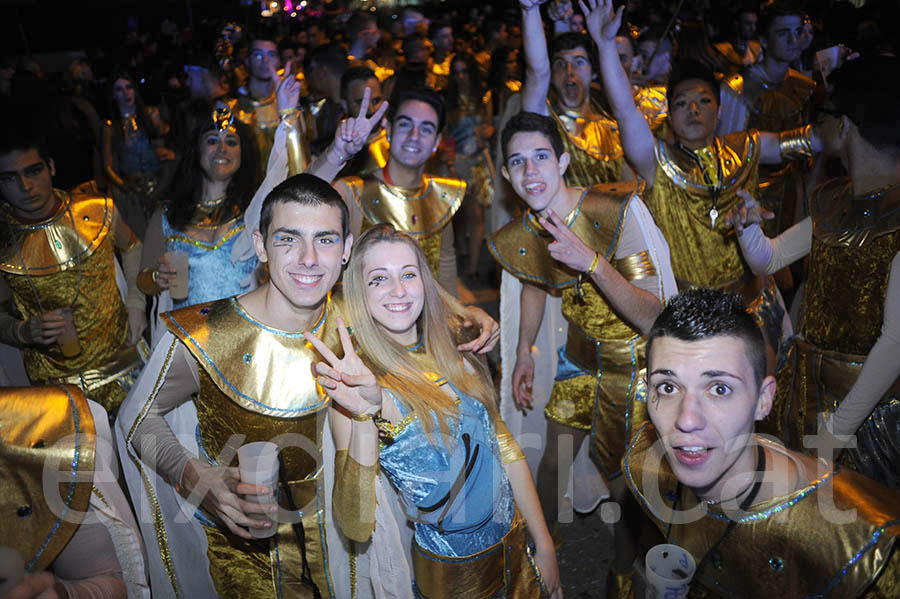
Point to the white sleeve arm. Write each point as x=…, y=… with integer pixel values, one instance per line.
x=766, y=256
x=881, y=368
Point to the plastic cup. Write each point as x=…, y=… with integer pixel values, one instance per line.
x=670, y=569
x=12, y=569
x=179, y=288
x=258, y=465
x=68, y=339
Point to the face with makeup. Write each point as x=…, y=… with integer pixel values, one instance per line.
x=395, y=294
x=703, y=400
x=220, y=154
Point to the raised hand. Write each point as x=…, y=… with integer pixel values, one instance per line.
x=746, y=212
x=287, y=88
x=530, y=4
x=346, y=380
x=567, y=248
x=353, y=132
x=601, y=21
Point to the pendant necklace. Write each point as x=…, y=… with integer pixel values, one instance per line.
x=714, y=186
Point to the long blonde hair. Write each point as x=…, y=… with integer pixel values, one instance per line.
x=401, y=371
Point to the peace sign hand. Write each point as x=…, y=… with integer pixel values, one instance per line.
x=602, y=22
x=353, y=132
x=568, y=247
x=287, y=87
x=347, y=380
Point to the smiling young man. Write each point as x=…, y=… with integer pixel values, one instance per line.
x=760, y=520
x=59, y=252
x=693, y=180
x=599, y=249
x=401, y=193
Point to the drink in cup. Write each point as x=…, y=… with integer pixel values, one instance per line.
x=179, y=288
x=68, y=339
x=670, y=569
x=258, y=464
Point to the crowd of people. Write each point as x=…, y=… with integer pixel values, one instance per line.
x=268, y=232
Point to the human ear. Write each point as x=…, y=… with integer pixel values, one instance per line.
x=765, y=399
x=260, y=246
x=564, y=159
x=52, y=166
x=505, y=172
x=348, y=244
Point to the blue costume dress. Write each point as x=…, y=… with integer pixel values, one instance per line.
x=212, y=275
x=469, y=538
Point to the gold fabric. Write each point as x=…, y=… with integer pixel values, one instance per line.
x=254, y=387
x=773, y=106
x=784, y=547
x=354, y=496
x=101, y=319
x=521, y=246
x=854, y=241
x=52, y=427
x=593, y=144
x=680, y=203
x=509, y=448
x=298, y=152
x=636, y=266
x=652, y=103
x=610, y=401
x=437, y=75
x=263, y=118
x=505, y=569
x=80, y=225
x=795, y=143
x=259, y=368
x=422, y=211
x=620, y=586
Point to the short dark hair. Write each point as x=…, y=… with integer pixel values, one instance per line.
x=358, y=22
x=426, y=95
x=306, y=190
x=779, y=8
x=697, y=314
x=569, y=41
x=354, y=74
x=331, y=56
x=686, y=70
x=22, y=131
x=863, y=89
x=531, y=121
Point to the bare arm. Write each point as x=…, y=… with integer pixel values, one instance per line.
x=531, y=312
x=634, y=132
x=537, y=61
x=108, y=160
x=767, y=256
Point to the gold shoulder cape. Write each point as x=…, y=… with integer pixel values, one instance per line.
x=262, y=369
x=79, y=227
x=38, y=425
x=840, y=219
x=420, y=211
x=521, y=246
x=782, y=547
x=773, y=106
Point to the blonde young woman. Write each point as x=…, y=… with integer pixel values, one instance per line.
x=425, y=415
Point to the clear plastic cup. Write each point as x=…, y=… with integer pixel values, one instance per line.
x=179, y=260
x=258, y=465
x=68, y=339
x=669, y=571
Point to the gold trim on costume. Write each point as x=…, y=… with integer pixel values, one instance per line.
x=53, y=245
x=796, y=143
x=262, y=363
x=740, y=155
x=853, y=223
x=636, y=266
x=119, y=364
x=205, y=245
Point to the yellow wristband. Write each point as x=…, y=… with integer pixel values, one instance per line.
x=364, y=417
x=594, y=264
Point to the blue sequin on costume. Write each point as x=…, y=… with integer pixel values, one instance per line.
x=212, y=275
x=455, y=491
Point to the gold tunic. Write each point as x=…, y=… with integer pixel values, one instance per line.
x=44, y=427
x=680, y=202
x=422, y=211
x=263, y=117
x=775, y=107
x=597, y=384
x=593, y=144
x=256, y=384
x=70, y=260
x=783, y=547
x=854, y=241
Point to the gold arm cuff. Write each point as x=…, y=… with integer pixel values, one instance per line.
x=795, y=143
x=354, y=496
x=636, y=266
x=509, y=448
x=297, y=147
x=146, y=282
x=288, y=112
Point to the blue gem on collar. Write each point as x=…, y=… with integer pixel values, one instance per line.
x=248, y=358
x=776, y=563
x=23, y=511
x=670, y=495
x=204, y=311
x=522, y=251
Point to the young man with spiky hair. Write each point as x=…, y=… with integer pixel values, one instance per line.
x=759, y=520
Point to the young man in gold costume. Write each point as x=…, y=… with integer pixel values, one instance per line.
x=771, y=96
x=401, y=193
x=58, y=254
x=693, y=180
x=759, y=520
x=598, y=248
x=845, y=360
